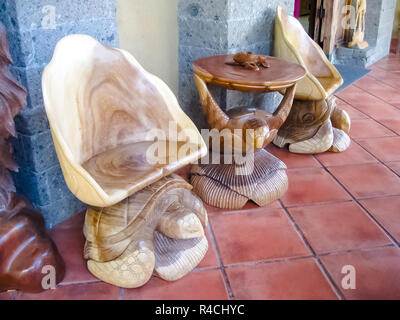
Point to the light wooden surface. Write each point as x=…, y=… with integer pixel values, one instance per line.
x=106, y=113
x=156, y=230
x=292, y=43
x=315, y=123
x=101, y=105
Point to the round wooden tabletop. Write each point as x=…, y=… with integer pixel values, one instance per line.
x=281, y=74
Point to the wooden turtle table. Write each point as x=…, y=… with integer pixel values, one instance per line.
x=245, y=170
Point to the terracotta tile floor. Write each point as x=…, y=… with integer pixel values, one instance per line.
x=340, y=210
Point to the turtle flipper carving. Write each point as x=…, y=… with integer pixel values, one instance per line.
x=315, y=127
x=156, y=230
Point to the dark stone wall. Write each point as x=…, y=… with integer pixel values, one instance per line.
x=33, y=31
x=224, y=26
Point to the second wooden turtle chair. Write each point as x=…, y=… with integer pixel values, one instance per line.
x=315, y=124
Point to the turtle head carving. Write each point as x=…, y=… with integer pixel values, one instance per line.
x=313, y=113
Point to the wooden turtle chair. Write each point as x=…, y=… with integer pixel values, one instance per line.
x=110, y=120
x=315, y=124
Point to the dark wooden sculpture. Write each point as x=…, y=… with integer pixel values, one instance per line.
x=261, y=177
x=25, y=248
x=249, y=60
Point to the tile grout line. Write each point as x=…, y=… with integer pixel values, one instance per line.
x=222, y=267
x=377, y=79
x=325, y=273
x=365, y=210
x=377, y=120
x=268, y=261
x=65, y=284
x=379, y=160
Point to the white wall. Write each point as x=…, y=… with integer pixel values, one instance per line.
x=148, y=29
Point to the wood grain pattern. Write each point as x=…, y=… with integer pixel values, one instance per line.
x=244, y=130
x=292, y=43
x=315, y=127
x=238, y=121
x=101, y=105
x=25, y=247
x=262, y=180
x=158, y=229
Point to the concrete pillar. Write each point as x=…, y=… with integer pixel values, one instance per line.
x=224, y=26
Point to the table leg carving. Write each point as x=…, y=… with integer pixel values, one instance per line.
x=156, y=230
x=315, y=127
x=258, y=175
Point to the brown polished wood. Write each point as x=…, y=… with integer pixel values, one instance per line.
x=243, y=130
x=280, y=74
x=25, y=247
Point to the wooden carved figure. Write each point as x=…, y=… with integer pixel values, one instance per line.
x=25, y=247
x=245, y=171
x=315, y=124
x=249, y=60
x=359, y=29
x=111, y=124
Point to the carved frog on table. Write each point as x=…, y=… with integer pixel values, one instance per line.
x=249, y=61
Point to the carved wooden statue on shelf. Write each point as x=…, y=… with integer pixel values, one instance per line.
x=315, y=124
x=357, y=37
x=25, y=247
x=242, y=133
x=110, y=120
